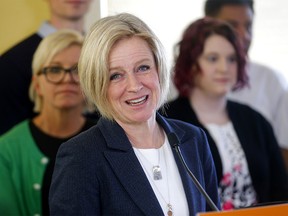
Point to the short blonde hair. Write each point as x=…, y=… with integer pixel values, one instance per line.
x=94, y=59
x=47, y=49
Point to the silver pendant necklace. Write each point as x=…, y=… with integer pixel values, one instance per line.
x=156, y=170
x=157, y=175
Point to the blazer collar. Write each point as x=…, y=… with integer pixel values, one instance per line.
x=116, y=137
x=124, y=163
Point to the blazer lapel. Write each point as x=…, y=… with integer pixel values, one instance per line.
x=192, y=198
x=128, y=169
x=189, y=187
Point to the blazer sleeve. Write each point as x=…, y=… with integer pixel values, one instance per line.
x=71, y=193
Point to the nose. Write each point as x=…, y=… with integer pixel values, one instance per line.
x=133, y=83
x=68, y=77
x=223, y=65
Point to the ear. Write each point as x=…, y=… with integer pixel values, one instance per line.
x=36, y=85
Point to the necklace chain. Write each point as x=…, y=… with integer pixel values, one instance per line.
x=169, y=206
x=156, y=170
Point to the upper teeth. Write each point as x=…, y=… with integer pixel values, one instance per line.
x=137, y=100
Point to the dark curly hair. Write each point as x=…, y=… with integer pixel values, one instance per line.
x=190, y=48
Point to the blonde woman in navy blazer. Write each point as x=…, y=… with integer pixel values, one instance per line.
x=125, y=165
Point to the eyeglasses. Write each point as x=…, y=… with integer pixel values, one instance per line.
x=56, y=74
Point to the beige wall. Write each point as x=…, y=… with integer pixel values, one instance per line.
x=19, y=18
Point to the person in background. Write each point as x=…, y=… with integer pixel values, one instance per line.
x=267, y=91
x=209, y=64
x=126, y=164
x=15, y=64
x=28, y=150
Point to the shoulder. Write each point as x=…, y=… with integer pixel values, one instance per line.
x=177, y=103
x=175, y=123
x=245, y=113
x=29, y=44
x=90, y=122
x=177, y=108
x=240, y=107
x=183, y=130
x=15, y=132
x=17, y=139
x=87, y=135
x=265, y=73
x=86, y=141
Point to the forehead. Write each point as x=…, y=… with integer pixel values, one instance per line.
x=217, y=44
x=235, y=13
x=130, y=49
x=67, y=55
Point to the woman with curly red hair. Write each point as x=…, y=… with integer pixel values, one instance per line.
x=210, y=63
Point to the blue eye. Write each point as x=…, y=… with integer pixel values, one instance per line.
x=143, y=68
x=115, y=76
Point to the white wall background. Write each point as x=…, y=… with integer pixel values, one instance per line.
x=169, y=18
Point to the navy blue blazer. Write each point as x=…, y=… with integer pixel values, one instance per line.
x=98, y=173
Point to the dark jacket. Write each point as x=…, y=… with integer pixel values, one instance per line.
x=256, y=136
x=15, y=78
x=98, y=173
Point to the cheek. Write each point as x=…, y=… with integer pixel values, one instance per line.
x=199, y=79
x=113, y=93
x=154, y=81
x=234, y=73
x=39, y=87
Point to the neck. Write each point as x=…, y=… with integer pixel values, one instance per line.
x=209, y=109
x=60, y=125
x=145, y=135
x=60, y=23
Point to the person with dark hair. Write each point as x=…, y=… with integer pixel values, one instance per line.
x=126, y=164
x=210, y=63
x=16, y=63
x=267, y=91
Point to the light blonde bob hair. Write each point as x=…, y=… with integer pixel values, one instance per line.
x=46, y=51
x=94, y=59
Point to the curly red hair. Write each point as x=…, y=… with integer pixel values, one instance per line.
x=191, y=47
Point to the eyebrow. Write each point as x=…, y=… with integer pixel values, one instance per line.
x=137, y=63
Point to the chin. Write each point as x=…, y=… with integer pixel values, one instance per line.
x=139, y=118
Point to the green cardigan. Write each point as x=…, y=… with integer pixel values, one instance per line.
x=21, y=164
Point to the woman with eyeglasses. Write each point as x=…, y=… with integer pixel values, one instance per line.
x=28, y=151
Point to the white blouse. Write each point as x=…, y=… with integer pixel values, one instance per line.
x=169, y=189
x=235, y=188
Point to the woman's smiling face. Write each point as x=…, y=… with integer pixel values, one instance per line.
x=134, y=88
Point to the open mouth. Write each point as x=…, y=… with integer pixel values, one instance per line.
x=137, y=101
